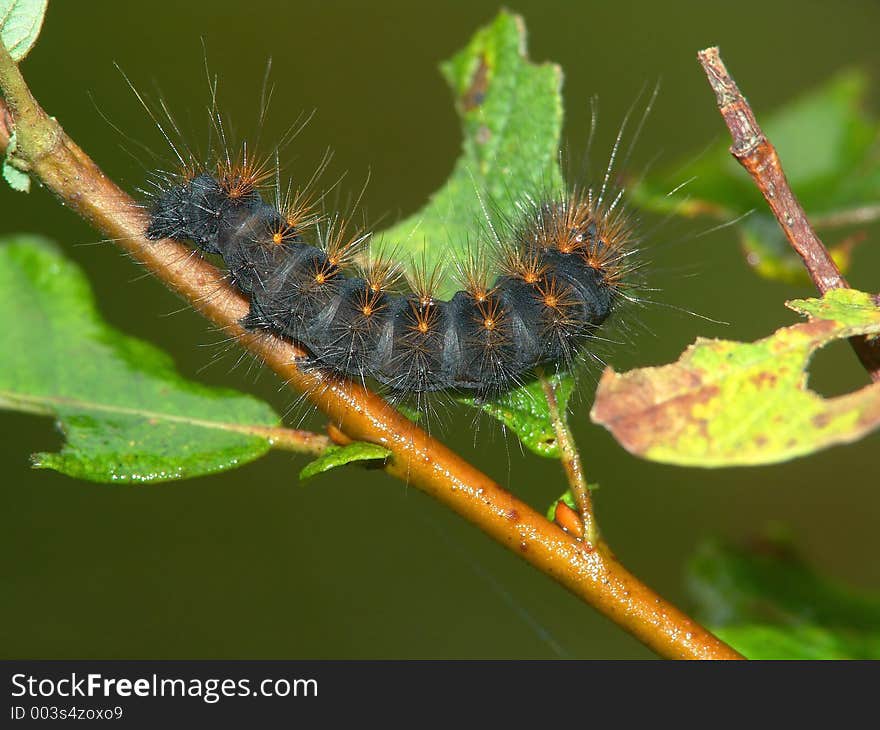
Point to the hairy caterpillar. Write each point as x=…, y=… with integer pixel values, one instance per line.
x=562, y=267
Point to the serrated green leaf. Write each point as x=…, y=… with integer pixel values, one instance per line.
x=829, y=149
x=17, y=179
x=524, y=411
x=127, y=416
x=767, y=602
x=727, y=403
x=511, y=113
x=20, y=24
x=341, y=455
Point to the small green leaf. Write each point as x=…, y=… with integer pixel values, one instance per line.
x=340, y=455
x=127, y=416
x=829, y=148
x=15, y=178
x=20, y=23
x=767, y=602
x=568, y=499
x=18, y=180
x=524, y=411
x=730, y=403
x=511, y=112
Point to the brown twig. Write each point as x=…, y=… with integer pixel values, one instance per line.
x=291, y=439
x=594, y=576
x=758, y=156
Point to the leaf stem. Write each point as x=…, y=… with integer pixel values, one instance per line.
x=571, y=462
x=594, y=576
x=758, y=156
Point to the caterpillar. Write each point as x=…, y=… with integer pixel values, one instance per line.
x=561, y=271
x=562, y=268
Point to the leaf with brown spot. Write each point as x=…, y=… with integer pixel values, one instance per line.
x=730, y=403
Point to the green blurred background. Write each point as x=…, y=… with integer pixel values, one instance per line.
x=251, y=563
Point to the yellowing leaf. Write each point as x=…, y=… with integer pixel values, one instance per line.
x=730, y=403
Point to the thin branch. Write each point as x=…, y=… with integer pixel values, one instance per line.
x=758, y=156
x=291, y=439
x=594, y=576
x=571, y=462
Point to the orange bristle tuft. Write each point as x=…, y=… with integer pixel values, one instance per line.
x=370, y=302
x=425, y=316
x=473, y=273
x=299, y=209
x=425, y=284
x=323, y=272
x=524, y=264
x=609, y=249
x=341, y=247
x=490, y=314
x=566, y=224
x=245, y=174
x=381, y=272
x=190, y=169
x=553, y=294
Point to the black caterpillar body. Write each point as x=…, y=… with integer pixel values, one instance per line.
x=560, y=279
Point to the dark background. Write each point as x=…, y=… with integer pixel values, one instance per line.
x=251, y=563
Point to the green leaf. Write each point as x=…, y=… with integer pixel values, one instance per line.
x=829, y=149
x=727, y=403
x=804, y=641
x=15, y=178
x=20, y=23
x=511, y=113
x=567, y=498
x=127, y=416
x=767, y=602
x=341, y=455
x=524, y=411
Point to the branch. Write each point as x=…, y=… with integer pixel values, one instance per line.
x=594, y=576
x=291, y=439
x=758, y=156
